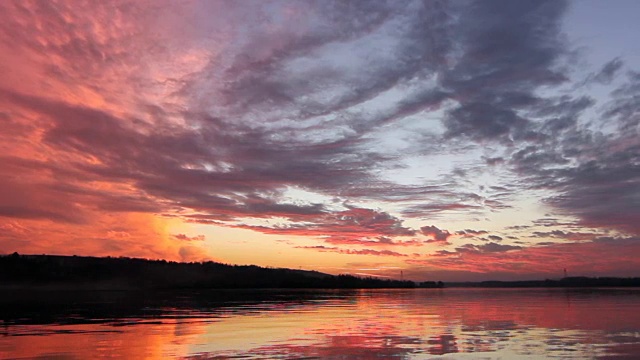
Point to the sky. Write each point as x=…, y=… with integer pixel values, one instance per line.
x=429, y=140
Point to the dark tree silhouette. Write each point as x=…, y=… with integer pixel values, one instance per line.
x=131, y=273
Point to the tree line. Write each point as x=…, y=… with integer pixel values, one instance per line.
x=133, y=273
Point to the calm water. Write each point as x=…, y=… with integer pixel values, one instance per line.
x=362, y=324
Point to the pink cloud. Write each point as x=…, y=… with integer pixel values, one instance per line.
x=604, y=256
x=322, y=248
x=183, y=237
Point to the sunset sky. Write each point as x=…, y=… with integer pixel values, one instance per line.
x=449, y=140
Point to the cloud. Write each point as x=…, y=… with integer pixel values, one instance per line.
x=623, y=107
x=477, y=249
x=508, y=50
x=193, y=254
x=592, y=176
x=356, y=226
x=601, y=193
x=471, y=232
x=373, y=252
x=437, y=235
x=419, y=210
x=493, y=247
x=183, y=237
x=568, y=235
x=251, y=163
x=355, y=124
x=610, y=256
x=608, y=72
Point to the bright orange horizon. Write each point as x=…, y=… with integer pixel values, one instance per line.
x=444, y=143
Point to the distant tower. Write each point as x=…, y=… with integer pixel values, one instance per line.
x=565, y=272
x=401, y=275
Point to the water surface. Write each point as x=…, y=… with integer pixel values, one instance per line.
x=338, y=324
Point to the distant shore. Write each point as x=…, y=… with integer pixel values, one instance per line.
x=568, y=282
x=82, y=273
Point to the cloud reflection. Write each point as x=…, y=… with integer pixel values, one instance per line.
x=326, y=324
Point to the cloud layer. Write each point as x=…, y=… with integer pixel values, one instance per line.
x=378, y=129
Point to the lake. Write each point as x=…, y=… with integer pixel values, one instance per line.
x=450, y=323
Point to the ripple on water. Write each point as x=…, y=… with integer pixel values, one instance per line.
x=419, y=323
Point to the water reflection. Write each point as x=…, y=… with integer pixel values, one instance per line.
x=422, y=323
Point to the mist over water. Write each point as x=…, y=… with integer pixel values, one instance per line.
x=344, y=324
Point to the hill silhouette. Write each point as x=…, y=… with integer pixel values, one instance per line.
x=83, y=272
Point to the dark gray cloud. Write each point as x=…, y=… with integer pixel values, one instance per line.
x=437, y=235
x=418, y=38
x=493, y=247
x=595, y=175
x=471, y=232
x=560, y=113
x=605, y=193
x=568, y=235
x=624, y=107
x=508, y=51
x=491, y=62
x=608, y=72
x=434, y=208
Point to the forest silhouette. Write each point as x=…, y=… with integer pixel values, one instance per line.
x=123, y=273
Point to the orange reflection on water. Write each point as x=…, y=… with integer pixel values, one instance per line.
x=88, y=341
x=364, y=324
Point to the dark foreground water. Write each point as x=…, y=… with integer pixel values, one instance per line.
x=297, y=324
